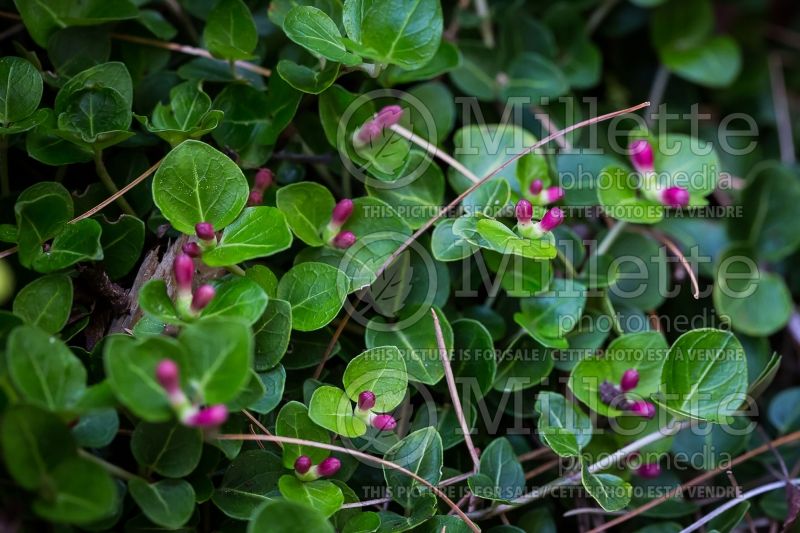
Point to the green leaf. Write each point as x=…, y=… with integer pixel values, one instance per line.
x=274, y=382
x=80, y=492
x=130, y=366
x=610, y=491
x=645, y=352
x=271, y=334
x=550, y=316
x=247, y=481
x=45, y=302
x=500, y=475
x=293, y=421
x=380, y=370
x=221, y=356
x=474, y=353
x=196, y=183
x=519, y=276
x=502, y=239
x=92, y=113
x=402, y=32
x=34, y=442
x=113, y=75
x=284, y=516
x=704, y=376
x=321, y=494
x=312, y=29
x=620, y=198
x=258, y=232
x=562, y=425
x=230, y=31
x=42, y=18
x=41, y=211
x=421, y=453
x=20, y=89
x=122, y=243
x=415, y=337
x=169, y=502
x=155, y=301
x=188, y=115
x=77, y=242
x=445, y=421
x=331, y=408
x=446, y=58
x=535, y=77
x=316, y=292
x=237, y=297
x=308, y=207
x=715, y=63
x=754, y=302
x=447, y=246
x=97, y=428
x=44, y=371
x=170, y=449
x=640, y=263
x=306, y=79
x=688, y=162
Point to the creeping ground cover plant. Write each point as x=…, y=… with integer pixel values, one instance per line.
x=399, y=265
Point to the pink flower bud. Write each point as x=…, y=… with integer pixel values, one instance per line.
x=384, y=422
x=366, y=400
x=553, y=194
x=255, y=198
x=389, y=116
x=168, y=375
x=329, y=467
x=183, y=268
x=524, y=211
x=202, y=296
x=342, y=212
x=551, y=219
x=642, y=155
x=642, y=408
x=263, y=179
x=675, y=197
x=192, y=249
x=302, y=464
x=536, y=187
x=649, y=471
x=209, y=417
x=368, y=132
x=344, y=240
x=205, y=231
x=629, y=380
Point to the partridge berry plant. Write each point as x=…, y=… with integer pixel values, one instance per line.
x=398, y=265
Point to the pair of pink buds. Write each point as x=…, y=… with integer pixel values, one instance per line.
x=341, y=213
x=307, y=471
x=183, y=269
x=382, y=422
x=261, y=182
x=551, y=219
x=613, y=395
x=643, y=161
x=546, y=196
x=372, y=129
x=207, y=238
x=168, y=376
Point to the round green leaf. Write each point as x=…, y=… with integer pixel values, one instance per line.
x=80, y=492
x=284, y=516
x=316, y=292
x=45, y=302
x=247, y=482
x=230, y=31
x=171, y=449
x=331, y=408
x=293, y=421
x=321, y=494
x=169, y=502
x=20, y=89
x=380, y=370
x=420, y=452
x=258, y=232
x=308, y=207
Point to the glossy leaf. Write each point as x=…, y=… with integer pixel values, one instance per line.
x=258, y=232
x=46, y=302
x=315, y=291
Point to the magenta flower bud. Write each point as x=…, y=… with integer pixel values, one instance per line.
x=536, y=187
x=524, y=211
x=209, y=417
x=205, y=231
x=642, y=408
x=629, y=380
x=675, y=197
x=168, y=375
x=553, y=194
x=192, y=249
x=202, y=296
x=389, y=116
x=649, y=471
x=368, y=132
x=642, y=155
x=329, y=467
x=342, y=212
x=255, y=198
x=183, y=268
x=344, y=240
x=302, y=464
x=263, y=179
x=551, y=219
x=384, y=422
x=366, y=400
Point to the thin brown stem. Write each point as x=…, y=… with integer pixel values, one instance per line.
x=109, y=184
x=451, y=385
x=361, y=455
